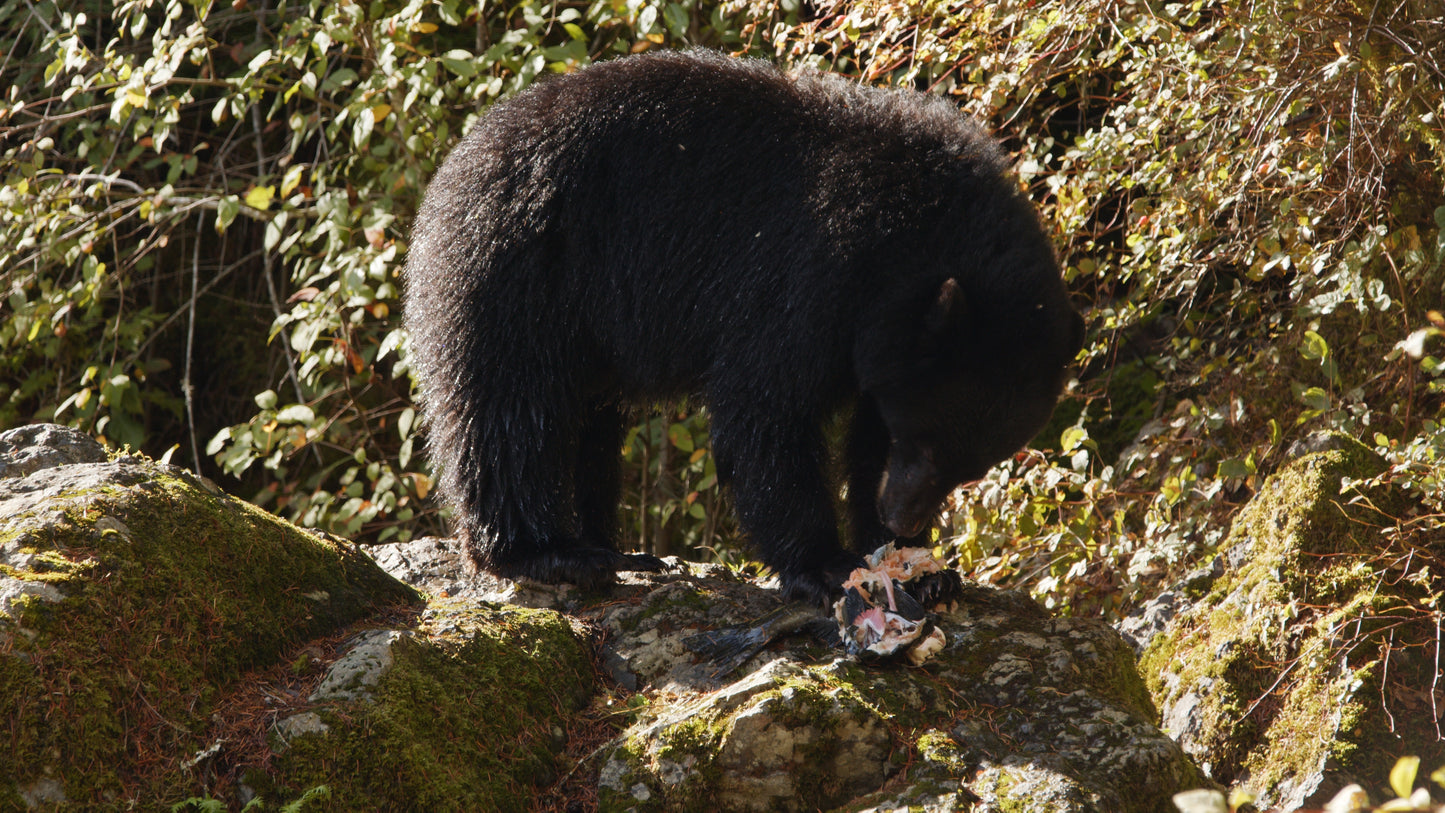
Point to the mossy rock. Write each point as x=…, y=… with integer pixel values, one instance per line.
x=132, y=594
x=470, y=714
x=1020, y=710
x=784, y=738
x=1296, y=669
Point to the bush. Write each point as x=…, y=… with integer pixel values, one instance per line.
x=205, y=202
x=1249, y=202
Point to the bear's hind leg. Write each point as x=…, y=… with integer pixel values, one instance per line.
x=599, y=484
x=520, y=512
x=598, y=478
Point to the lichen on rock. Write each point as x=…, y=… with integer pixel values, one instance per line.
x=1018, y=708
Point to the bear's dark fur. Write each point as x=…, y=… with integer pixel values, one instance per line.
x=786, y=247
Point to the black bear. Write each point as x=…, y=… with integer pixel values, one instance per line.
x=788, y=247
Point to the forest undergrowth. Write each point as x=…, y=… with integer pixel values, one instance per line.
x=206, y=209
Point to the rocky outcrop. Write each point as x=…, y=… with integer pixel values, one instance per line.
x=1019, y=711
x=161, y=642
x=132, y=595
x=1307, y=656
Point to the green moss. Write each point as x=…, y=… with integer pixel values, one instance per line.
x=469, y=717
x=1279, y=651
x=170, y=592
x=938, y=748
x=667, y=602
x=689, y=764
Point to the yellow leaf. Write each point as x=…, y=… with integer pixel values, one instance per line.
x=1402, y=776
x=260, y=196
x=424, y=28
x=136, y=99
x=380, y=112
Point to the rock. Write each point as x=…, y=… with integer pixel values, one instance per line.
x=161, y=641
x=1019, y=711
x=783, y=738
x=439, y=567
x=360, y=669
x=1308, y=662
x=297, y=725
x=29, y=449
x=134, y=596
x=468, y=710
x=1153, y=617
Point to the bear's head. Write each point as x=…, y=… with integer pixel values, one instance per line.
x=974, y=366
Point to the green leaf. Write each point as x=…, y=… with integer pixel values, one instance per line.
x=361, y=128
x=226, y=210
x=259, y=61
x=291, y=179
x=1234, y=468
x=1073, y=438
x=260, y=197
x=460, y=62
x=1316, y=398
x=1314, y=348
x=679, y=436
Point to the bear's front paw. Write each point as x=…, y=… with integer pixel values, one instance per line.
x=936, y=590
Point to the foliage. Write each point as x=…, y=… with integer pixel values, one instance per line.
x=203, y=202
x=208, y=805
x=672, y=502
x=1349, y=798
x=1249, y=200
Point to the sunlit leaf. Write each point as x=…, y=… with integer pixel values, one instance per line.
x=1402, y=776
x=226, y=210
x=259, y=197
x=296, y=413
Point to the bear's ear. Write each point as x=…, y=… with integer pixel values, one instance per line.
x=948, y=307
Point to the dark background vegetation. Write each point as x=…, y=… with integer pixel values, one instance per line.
x=206, y=206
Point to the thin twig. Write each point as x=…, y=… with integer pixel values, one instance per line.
x=186, y=388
